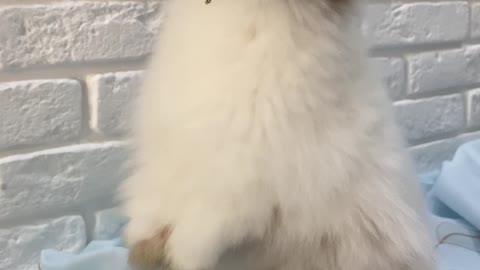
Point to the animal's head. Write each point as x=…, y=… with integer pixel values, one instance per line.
x=336, y=5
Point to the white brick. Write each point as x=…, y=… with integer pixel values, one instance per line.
x=58, y=177
x=111, y=98
x=475, y=21
x=39, y=112
x=109, y=224
x=416, y=23
x=21, y=246
x=428, y=118
x=444, y=69
x=430, y=156
x=393, y=71
x=473, y=108
x=69, y=32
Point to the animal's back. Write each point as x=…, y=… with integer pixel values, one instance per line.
x=260, y=121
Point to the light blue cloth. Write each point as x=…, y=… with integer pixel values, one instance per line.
x=458, y=185
x=453, y=195
x=454, y=198
x=98, y=255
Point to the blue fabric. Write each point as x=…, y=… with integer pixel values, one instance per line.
x=98, y=255
x=453, y=196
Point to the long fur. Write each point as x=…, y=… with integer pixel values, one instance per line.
x=261, y=122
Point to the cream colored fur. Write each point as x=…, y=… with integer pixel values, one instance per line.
x=260, y=121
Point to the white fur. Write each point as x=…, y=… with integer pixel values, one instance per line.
x=259, y=120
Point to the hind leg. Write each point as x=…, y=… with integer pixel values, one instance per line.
x=375, y=239
x=197, y=239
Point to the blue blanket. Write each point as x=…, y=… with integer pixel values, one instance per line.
x=453, y=195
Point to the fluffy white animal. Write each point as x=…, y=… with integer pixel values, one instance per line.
x=260, y=123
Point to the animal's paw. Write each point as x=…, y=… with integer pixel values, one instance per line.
x=150, y=253
x=176, y=248
x=195, y=240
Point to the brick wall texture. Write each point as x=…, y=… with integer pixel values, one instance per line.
x=69, y=70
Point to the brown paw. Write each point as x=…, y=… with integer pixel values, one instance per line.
x=150, y=253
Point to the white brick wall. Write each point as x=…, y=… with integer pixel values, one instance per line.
x=69, y=70
x=110, y=97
